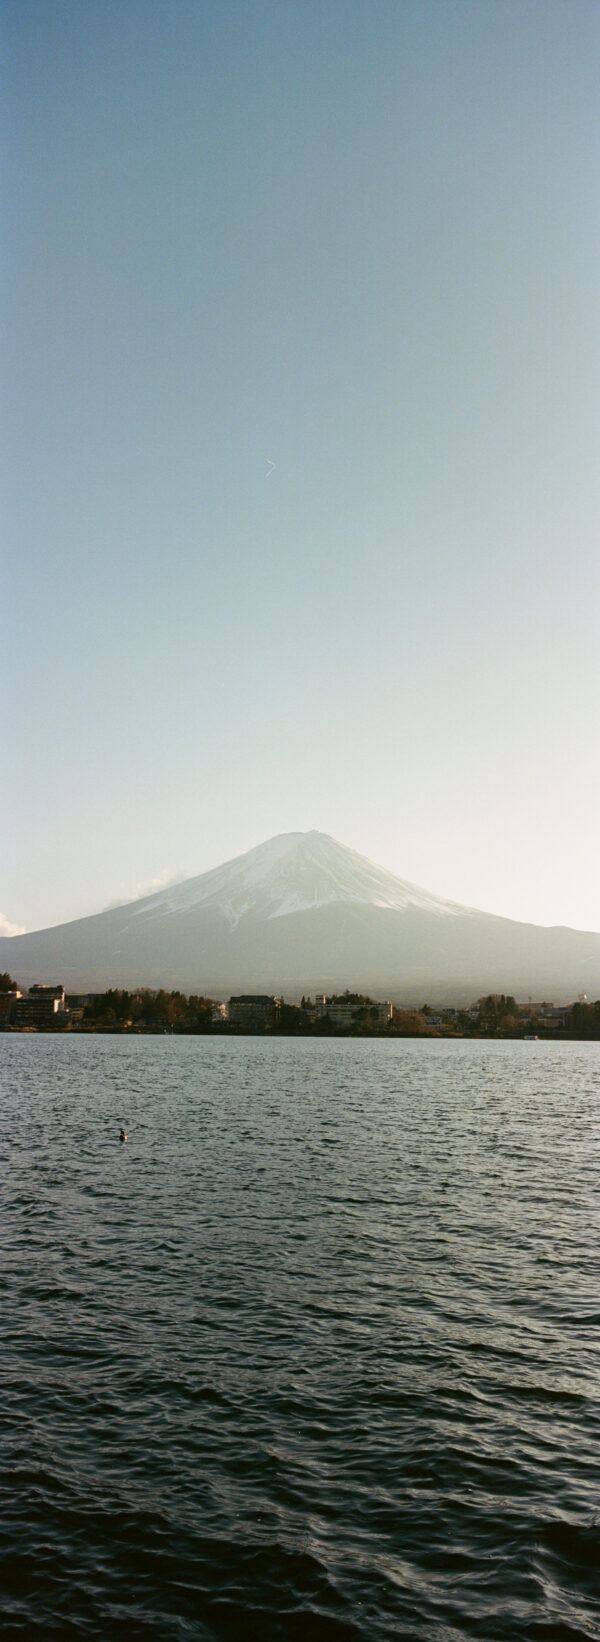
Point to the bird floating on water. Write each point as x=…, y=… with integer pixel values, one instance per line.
x=122, y=1135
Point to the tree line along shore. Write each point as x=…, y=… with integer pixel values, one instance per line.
x=347, y=1014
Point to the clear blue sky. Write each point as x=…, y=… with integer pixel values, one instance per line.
x=358, y=240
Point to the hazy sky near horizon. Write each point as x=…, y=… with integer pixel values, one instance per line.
x=302, y=432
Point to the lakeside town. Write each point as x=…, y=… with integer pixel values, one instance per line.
x=349, y=1014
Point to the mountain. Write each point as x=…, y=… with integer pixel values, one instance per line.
x=302, y=913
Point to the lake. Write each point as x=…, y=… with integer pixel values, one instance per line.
x=315, y=1354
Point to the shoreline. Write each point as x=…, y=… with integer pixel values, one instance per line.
x=334, y=1034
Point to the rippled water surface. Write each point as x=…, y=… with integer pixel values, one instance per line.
x=315, y=1354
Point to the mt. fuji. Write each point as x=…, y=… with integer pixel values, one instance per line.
x=302, y=913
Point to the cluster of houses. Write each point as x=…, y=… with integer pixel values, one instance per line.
x=250, y=1011
x=547, y=1014
x=49, y=1007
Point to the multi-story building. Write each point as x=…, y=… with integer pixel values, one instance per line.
x=254, y=1012
x=43, y=1006
x=346, y=1012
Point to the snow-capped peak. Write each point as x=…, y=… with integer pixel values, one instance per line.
x=294, y=872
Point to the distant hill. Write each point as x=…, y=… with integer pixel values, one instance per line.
x=302, y=913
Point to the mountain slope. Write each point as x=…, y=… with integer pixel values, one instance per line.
x=302, y=913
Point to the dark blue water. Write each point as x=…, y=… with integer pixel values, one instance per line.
x=315, y=1354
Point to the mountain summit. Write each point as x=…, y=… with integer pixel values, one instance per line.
x=295, y=872
x=302, y=913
